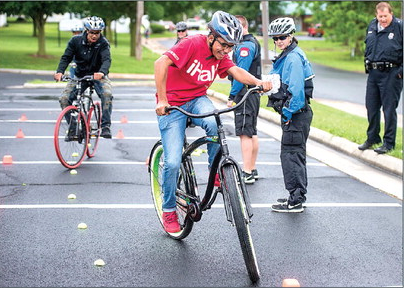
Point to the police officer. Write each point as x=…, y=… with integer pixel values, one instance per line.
x=292, y=102
x=247, y=55
x=384, y=63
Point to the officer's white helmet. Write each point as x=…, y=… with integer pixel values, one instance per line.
x=281, y=26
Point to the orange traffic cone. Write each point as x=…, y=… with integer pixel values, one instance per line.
x=23, y=118
x=290, y=283
x=124, y=119
x=120, y=134
x=19, y=134
x=7, y=159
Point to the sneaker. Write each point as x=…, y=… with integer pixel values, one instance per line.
x=254, y=172
x=170, y=222
x=286, y=207
x=282, y=201
x=106, y=133
x=248, y=178
x=217, y=180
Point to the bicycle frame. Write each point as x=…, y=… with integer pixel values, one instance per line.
x=222, y=159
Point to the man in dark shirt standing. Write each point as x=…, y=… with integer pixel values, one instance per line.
x=384, y=63
x=91, y=52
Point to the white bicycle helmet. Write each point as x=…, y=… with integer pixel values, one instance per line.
x=181, y=26
x=281, y=26
x=94, y=23
x=77, y=28
x=226, y=26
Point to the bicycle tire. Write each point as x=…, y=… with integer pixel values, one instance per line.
x=94, y=128
x=156, y=165
x=231, y=183
x=70, y=152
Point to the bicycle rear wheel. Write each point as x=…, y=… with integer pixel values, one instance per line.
x=94, y=128
x=156, y=165
x=231, y=184
x=70, y=137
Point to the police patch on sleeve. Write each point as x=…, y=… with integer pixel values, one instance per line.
x=244, y=52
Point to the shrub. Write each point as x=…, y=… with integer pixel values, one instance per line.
x=157, y=28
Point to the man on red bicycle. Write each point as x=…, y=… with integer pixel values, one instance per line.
x=183, y=74
x=92, y=55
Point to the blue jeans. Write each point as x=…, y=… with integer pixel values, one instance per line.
x=172, y=130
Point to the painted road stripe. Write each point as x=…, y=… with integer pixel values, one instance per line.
x=151, y=206
x=58, y=109
x=132, y=138
x=54, y=121
x=142, y=163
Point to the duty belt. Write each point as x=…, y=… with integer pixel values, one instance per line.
x=382, y=65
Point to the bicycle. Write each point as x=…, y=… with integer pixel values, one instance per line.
x=191, y=205
x=78, y=127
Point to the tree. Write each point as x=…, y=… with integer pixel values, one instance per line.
x=346, y=21
x=39, y=12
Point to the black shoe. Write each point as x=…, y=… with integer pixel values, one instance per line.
x=254, y=172
x=287, y=208
x=367, y=145
x=248, y=178
x=106, y=133
x=282, y=201
x=383, y=149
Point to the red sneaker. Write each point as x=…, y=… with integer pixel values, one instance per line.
x=217, y=181
x=170, y=222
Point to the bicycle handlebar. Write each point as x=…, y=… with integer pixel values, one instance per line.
x=216, y=112
x=85, y=78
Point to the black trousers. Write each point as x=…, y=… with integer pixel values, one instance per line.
x=293, y=155
x=383, y=90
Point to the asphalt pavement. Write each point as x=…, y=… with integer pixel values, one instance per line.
x=350, y=234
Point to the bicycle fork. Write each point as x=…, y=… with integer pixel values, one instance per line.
x=226, y=159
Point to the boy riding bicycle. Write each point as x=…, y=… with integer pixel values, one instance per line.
x=183, y=74
x=92, y=55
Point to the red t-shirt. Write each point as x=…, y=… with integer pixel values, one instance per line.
x=192, y=73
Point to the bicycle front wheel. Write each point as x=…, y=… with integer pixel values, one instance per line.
x=94, y=128
x=70, y=137
x=232, y=185
x=156, y=166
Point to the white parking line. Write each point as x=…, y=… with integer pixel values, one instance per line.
x=142, y=163
x=58, y=109
x=132, y=138
x=151, y=206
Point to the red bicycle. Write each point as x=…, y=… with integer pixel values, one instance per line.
x=78, y=126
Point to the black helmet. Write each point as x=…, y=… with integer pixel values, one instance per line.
x=226, y=26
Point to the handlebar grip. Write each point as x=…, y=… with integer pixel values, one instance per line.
x=260, y=87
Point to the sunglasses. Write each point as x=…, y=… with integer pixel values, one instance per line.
x=280, y=38
x=94, y=32
x=181, y=30
x=225, y=45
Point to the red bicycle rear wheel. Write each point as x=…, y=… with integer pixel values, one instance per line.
x=94, y=128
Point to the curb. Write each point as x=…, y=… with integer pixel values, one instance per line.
x=384, y=162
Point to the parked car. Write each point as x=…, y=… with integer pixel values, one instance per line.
x=193, y=23
x=315, y=31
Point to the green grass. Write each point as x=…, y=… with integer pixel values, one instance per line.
x=333, y=121
x=329, y=54
x=19, y=47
